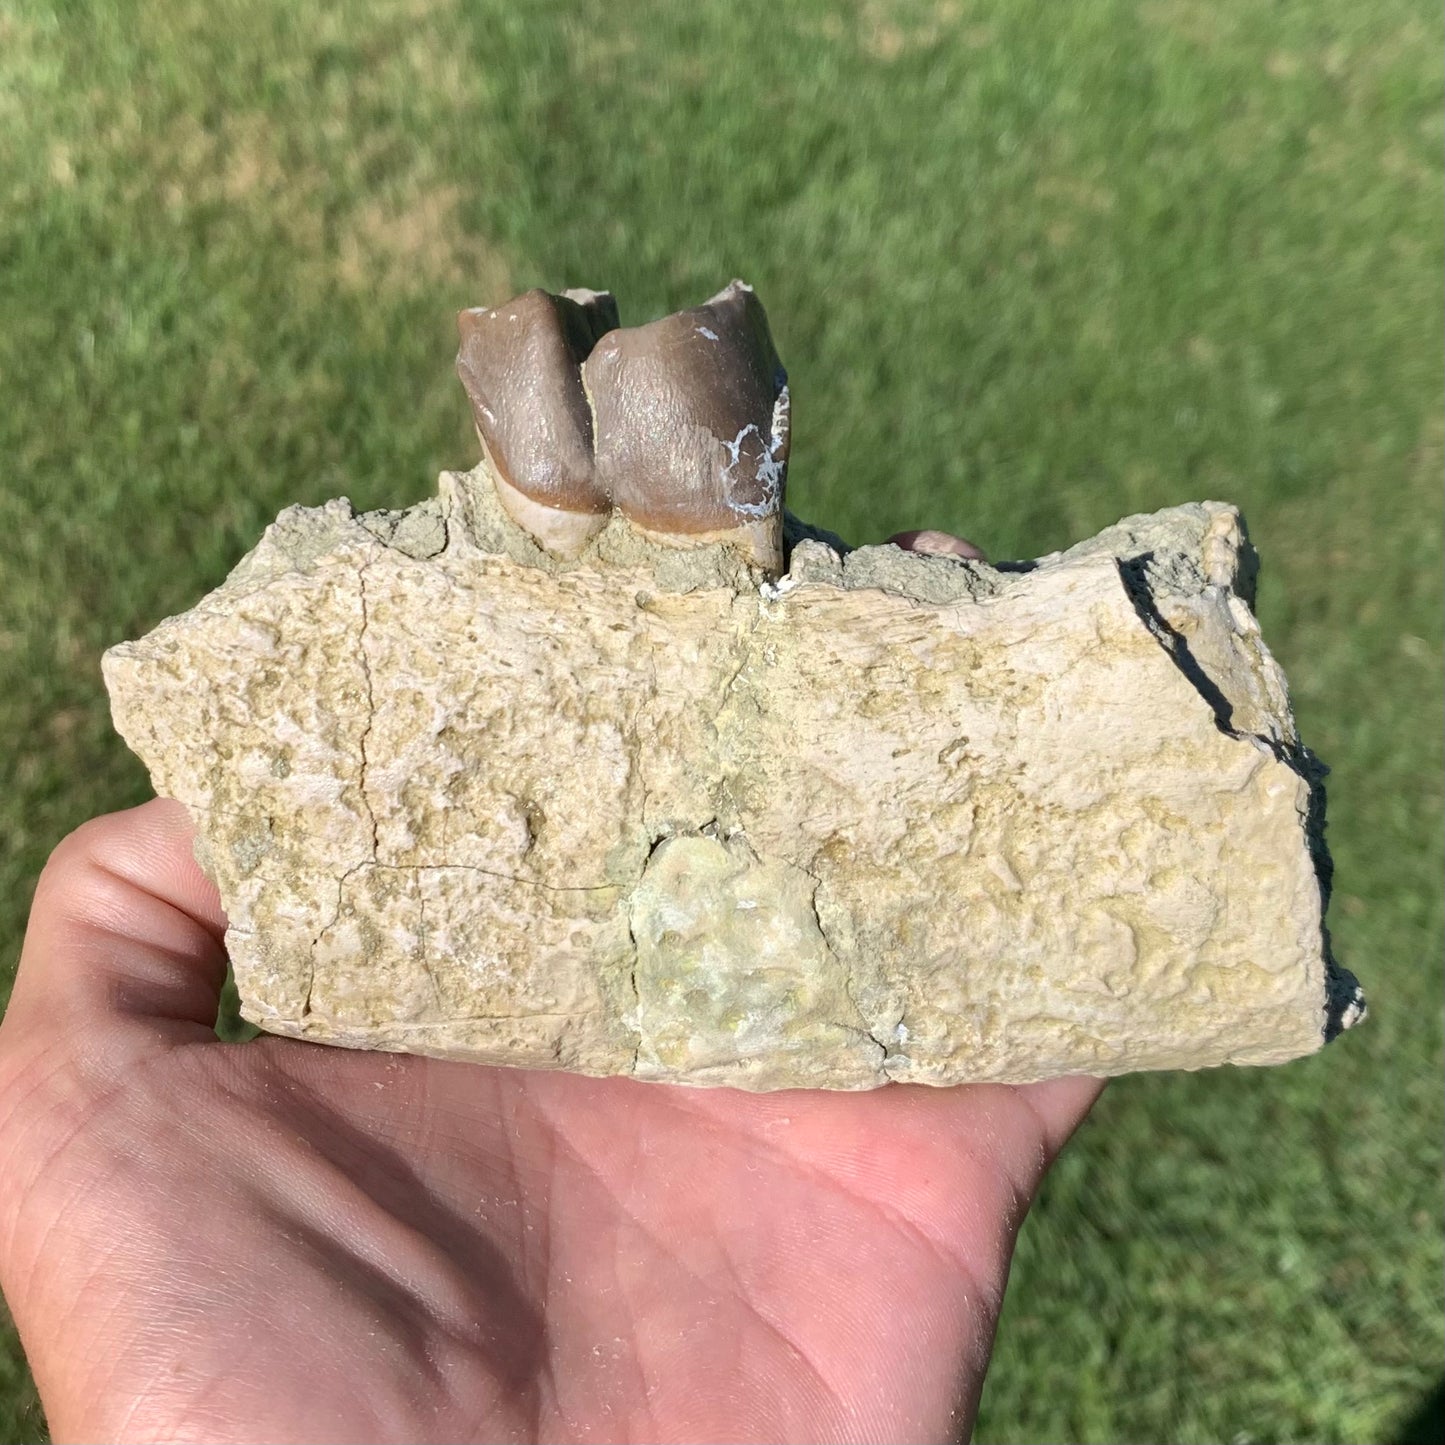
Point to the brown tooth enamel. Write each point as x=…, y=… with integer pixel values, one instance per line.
x=692, y=426
x=521, y=366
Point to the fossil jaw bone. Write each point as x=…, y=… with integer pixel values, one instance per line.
x=683, y=424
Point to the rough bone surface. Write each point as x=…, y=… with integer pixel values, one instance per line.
x=896, y=817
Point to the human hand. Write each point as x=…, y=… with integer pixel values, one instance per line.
x=280, y=1241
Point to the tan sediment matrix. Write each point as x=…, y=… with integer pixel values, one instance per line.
x=891, y=818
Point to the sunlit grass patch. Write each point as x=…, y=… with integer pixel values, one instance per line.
x=1032, y=266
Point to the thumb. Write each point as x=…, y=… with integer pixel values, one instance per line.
x=125, y=936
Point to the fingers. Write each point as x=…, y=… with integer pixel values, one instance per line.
x=1060, y=1106
x=939, y=544
x=124, y=927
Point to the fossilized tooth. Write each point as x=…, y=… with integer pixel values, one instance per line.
x=521, y=366
x=692, y=426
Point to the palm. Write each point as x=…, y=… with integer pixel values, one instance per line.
x=326, y=1245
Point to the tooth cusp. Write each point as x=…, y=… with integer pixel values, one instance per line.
x=520, y=364
x=682, y=424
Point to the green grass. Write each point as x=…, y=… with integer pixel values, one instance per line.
x=1032, y=266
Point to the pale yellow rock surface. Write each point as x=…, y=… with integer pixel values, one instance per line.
x=895, y=818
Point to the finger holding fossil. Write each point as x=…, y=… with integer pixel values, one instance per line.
x=938, y=544
x=521, y=366
x=692, y=426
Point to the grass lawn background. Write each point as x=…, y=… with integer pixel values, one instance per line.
x=1032, y=266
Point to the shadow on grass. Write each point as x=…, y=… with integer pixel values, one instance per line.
x=1427, y=1425
x=230, y=1026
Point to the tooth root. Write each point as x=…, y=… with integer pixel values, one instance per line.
x=692, y=426
x=521, y=366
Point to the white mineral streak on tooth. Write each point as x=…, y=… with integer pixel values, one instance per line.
x=771, y=468
x=782, y=424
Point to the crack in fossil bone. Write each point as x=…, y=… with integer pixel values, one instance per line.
x=1166, y=904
